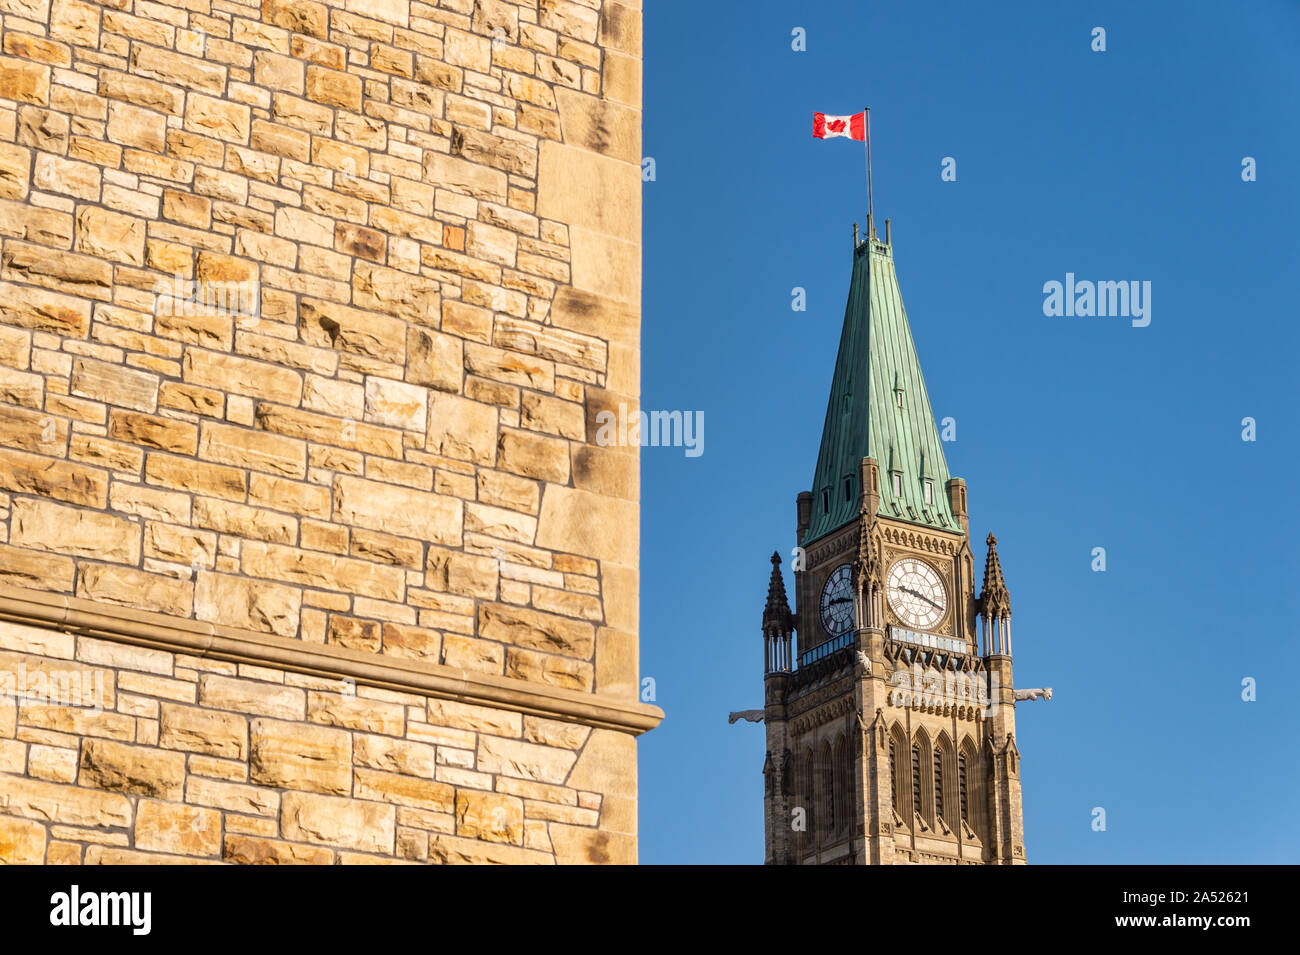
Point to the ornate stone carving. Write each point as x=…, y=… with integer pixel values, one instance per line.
x=1043, y=693
x=921, y=540
x=834, y=546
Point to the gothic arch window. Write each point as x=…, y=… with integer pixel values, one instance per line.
x=850, y=790
x=893, y=775
x=806, y=801
x=963, y=792
x=974, y=813
x=900, y=787
x=916, y=778
x=944, y=788
x=826, y=781
x=796, y=802
x=922, y=777
x=939, y=806
x=810, y=794
x=841, y=788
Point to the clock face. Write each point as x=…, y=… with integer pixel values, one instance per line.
x=916, y=593
x=837, y=601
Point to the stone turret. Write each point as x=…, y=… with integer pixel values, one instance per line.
x=777, y=623
x=995, y=604
x=1007, y=826
x=778, y=629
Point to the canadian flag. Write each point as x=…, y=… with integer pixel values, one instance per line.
x=850, y=127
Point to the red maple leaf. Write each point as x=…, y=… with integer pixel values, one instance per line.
x=836, y=126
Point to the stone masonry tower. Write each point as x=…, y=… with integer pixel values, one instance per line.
x=308, y=550
x=891, y=734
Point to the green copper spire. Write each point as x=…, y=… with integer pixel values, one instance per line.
x=879, y=409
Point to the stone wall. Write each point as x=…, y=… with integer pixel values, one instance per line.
x=410, y=238
x=125, y=754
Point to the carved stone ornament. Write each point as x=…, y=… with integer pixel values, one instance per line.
x=1038, y=693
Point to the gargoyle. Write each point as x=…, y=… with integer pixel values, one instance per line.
x=1034, y=694
x=753, y=716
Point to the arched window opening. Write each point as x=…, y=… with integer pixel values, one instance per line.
x=841, y=786
x=962, y=795
x=916, y=779
x=806, y=802
x=900, y=788
x=938, y=785
x=810, y=798
x=846, y=771
x=830, y=798
x=893, y=776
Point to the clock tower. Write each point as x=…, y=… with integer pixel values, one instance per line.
x=890, y=721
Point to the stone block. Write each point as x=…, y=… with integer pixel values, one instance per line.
x=397, y=510
x=396, y=404
x=22, y=842
x=250, y=850
x=45, y=525
x=115, y=384
x=138, y=770
x=510, y=757
x=194, y=729
x=300, y=756
x=128, y=587
x=177, y=828
x=333, y=821
x=491, y=817
x=579, y=522
x=251, y=604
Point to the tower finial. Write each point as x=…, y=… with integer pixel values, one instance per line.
x=995, y=604
x=778, y=623
x=995, y=601
x=776, y=613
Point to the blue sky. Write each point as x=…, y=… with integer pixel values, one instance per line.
x=1072, y=433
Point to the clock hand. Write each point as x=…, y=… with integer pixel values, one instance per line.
x=916, y=593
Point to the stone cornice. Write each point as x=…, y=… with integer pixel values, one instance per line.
x=197, y=638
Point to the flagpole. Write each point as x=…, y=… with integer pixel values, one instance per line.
x=871, y=221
